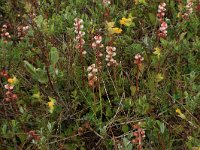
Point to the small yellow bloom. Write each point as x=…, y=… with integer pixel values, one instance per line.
x=111, y=29
x=159, y=77
x=157, y=52
x=116, y=30
x=126, y=21
x=51, y=104
x=180, y=114
x=12, y=81
x=178, y=111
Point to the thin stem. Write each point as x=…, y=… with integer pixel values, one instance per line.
x=137, y=80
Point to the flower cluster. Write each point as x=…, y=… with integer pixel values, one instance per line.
x=4, y=73
x=139, y=135
x=51, y=104
x=111, y=29
x=189, y=10
x=111, y=52
x=92, y=75
x=138, y=60
x=96, y=45
x=22, y=31
x=4, y=33
x=9, y=95
x=161, y=13
x=126, y=21
x=78, y=25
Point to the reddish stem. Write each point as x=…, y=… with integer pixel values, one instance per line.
x=137, y=80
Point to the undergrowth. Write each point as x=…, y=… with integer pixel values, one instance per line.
x=85, y=74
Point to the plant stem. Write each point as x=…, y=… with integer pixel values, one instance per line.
x=137, y=80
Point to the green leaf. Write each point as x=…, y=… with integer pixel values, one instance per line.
x=38, y=74
x=109, y=112
x=182, y=36
x=162, y=127
x=54, y=56
x=41, y=75
x=39, y=21
x=143, y=2
x=133, y=90
x=164, y=43
x=125, y=128
x=152, y=18
x=127, y=144
x=30, y=68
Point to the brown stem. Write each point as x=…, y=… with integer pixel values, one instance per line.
x=94, y=100
x=115, y=73
x=161, y=141
x=140, y=142
x=82, y=63
x=137, y=80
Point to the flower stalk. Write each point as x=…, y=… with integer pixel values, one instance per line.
x=78, y=25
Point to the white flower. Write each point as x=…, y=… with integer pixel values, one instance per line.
x=101, y=45
x=100, y=54
x=95, y=78
x=107, y=59
x=94, y=70
x=114, y=54
x=90, y=75
x=137, y=56
x=163, y=4
x=89, y=68
x=6, y=34
x=4, y=26
x=114, y=48
x=84, y=52
x=94, y=45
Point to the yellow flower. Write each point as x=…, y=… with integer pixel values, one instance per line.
x=157, y=52
x=178, y=111
x=51, y=104
x=126, y=21
x=180, y=114
x=12, y=81
x=116, y=30
x=111, y=29
x=159, y=77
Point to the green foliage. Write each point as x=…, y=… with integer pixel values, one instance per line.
x=38, y=74
x=55, y=105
